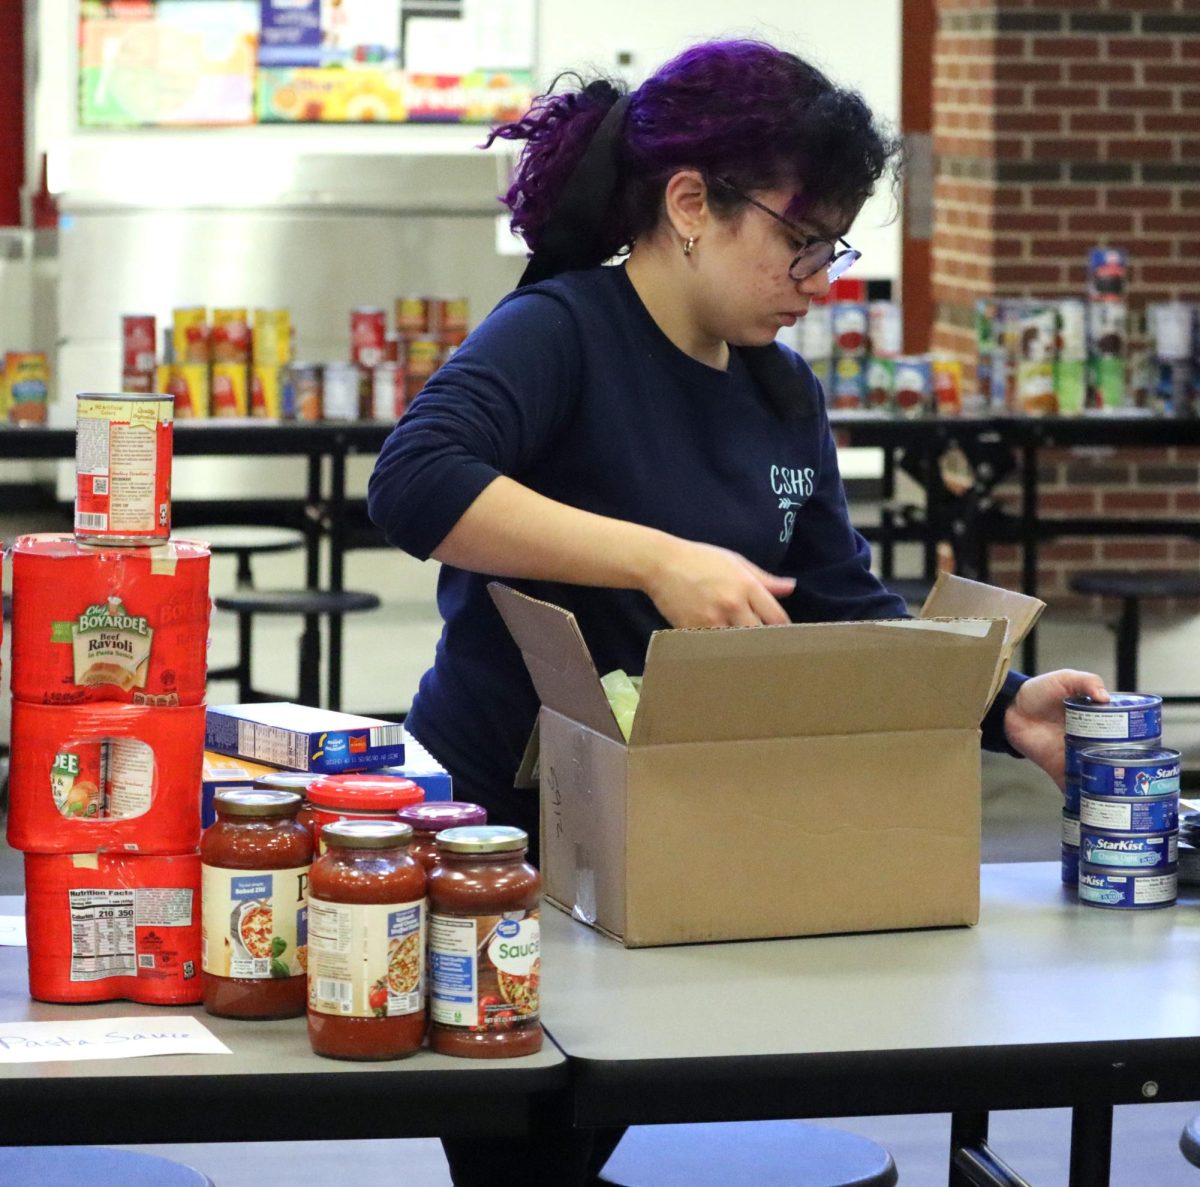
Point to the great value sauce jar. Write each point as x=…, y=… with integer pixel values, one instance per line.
x=428, y=820
x=366, y=943
x=254, y=875
x=356, y=797
x=485, y=945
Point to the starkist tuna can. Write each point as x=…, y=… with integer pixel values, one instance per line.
x=109, y=624
x=1125, y=890
x=101, y=926
x=1124, y=814
x=123, y=468
x=1076, y=746
x=1129, y=771
x=1125, y=717
x=1151, y=851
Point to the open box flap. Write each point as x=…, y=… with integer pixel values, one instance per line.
x=957, y=597
x=816, y=679
x=558, y=660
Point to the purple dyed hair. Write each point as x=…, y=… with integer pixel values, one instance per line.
x=744, y=111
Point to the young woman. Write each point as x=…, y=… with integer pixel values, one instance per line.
x=628, y=442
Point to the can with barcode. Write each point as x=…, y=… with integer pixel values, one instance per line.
x=123, y=468
x=387, y=391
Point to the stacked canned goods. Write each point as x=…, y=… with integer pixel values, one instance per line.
x=1121, y=817
x=110, y=631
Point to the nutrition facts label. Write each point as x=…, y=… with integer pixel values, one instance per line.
x=104, y=926
x=134, y=457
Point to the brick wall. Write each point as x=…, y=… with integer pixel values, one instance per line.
x=1060, y=125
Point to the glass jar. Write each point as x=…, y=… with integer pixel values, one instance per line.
x=427, y=820
x=366, y=947
x=254, y=863
x=296, y=781
x=484, y=944
x=357, y=797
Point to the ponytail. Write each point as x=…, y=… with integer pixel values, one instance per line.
x=561, y=197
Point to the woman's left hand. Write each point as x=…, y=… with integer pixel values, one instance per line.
x=1033, y=723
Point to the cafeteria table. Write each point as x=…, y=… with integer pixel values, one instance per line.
x=1046, y=1003
x=271, y=1088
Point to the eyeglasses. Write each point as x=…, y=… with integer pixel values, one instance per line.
x=816, y=253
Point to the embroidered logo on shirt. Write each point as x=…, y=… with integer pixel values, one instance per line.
x=793, y=486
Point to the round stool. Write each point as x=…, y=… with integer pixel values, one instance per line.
x=93, y=1166
x=313, y=605
x=243, y=541
x=765, y=1153
x=1131, y=588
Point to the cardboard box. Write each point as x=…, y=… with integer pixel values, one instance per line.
x=302, y=738
x=778, y=781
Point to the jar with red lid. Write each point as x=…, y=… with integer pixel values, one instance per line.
x=254, y=864
x=366, y=963
x=427, y=820
x=484, y=945
x=357, y=797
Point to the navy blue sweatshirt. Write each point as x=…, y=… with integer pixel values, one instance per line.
x=570, y=388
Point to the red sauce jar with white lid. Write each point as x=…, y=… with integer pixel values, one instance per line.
x=254, y=864
x=366, y=943
x=484, y=945
x=357, y=797
x=427, y=820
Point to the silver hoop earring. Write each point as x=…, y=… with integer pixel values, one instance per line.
x=689, y=243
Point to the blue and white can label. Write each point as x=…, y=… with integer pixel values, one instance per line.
x=1155, y=851
x=1070, y=865
x=1076, y=746
x=1071, y=794
x=1126, y=891
x=1129, y=771
x=1122, y=814
x=1125, y=717
x=1070, y=829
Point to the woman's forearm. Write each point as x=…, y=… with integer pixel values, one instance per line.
x=511, y=531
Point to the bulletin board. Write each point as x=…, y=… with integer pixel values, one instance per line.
x=148, y=63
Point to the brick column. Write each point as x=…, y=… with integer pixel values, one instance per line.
x=12, y=111
x=1060, y=125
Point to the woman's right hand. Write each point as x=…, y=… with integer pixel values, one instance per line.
x=700, y=585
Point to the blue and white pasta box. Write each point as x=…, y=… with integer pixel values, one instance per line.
x=302, y=738
x=424, y=770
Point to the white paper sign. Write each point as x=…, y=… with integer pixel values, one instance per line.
x=106, y=1038
x=12, y=931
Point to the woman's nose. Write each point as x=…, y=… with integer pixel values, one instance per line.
x=816, y=285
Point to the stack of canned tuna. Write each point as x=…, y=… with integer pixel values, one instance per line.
x=1121, y=817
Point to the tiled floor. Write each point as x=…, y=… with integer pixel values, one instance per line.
x=385, y=653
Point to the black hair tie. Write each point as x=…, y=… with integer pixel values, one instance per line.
x=568, y=240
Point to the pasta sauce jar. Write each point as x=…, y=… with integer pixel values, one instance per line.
x=356, y=797
x=366, y=966
x=427, y=820
x=484, y=945
x=254, y=869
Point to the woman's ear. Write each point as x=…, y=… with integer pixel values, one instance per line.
x=686, y=202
